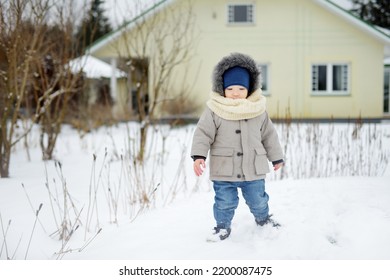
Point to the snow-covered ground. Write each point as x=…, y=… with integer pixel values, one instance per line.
x=112, y=214
x=97, y=204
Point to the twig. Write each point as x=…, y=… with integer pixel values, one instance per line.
x=143, y=205
x=4, y=245
x=63, y=252
x=90, y=240
x=32, y=232
x=32, y=207
x=17, y=247
x=51, y=196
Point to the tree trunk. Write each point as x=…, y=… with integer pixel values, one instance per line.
x=4, y=163
x=5, y=151
x=143, y=138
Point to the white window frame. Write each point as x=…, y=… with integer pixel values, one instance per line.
x=265, y=80
x=230, y=20
x=329, y=79
x=386, y=79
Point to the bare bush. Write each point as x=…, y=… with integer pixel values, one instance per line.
x=154, y=47
x=34, y=80
x=332, y=149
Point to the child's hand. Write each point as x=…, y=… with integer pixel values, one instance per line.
x=278, y=166
x=199, y=166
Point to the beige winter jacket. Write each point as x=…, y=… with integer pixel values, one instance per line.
x=240, y=148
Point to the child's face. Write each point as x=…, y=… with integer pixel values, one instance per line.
x=236, y=92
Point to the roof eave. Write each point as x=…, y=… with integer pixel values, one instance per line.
x=370, y=29
x=107, y=39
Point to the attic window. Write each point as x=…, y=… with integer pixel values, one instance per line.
x=240, y=13
x=330, y=78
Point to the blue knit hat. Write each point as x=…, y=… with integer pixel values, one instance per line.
x=236, y=76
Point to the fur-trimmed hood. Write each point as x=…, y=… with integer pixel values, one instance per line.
x=232, y=60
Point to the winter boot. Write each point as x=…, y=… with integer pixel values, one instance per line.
x=266, y=221
x=219, y=234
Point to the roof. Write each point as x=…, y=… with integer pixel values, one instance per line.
x=103, y=41
x=378, y=33
x=94, y=68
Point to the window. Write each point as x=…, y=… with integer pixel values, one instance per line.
x=240, y=13
x=264, y=78
x=330, y=78
x=386, y=100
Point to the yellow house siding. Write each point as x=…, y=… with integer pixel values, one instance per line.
x=289, y=36
x=333, y=40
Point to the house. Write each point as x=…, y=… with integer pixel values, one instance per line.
x=318, y=61
x=97, y=78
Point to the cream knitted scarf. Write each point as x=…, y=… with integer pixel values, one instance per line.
x=237, y=109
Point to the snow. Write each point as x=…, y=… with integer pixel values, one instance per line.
x=322, y=218
x=94, y=68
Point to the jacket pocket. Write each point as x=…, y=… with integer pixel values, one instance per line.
x=221, y=162
x=261, y=161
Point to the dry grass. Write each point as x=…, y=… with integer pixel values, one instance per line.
x=130, y=187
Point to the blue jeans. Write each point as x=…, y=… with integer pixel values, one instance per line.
x=226, y=200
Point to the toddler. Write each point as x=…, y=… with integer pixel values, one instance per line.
x=237, y=133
